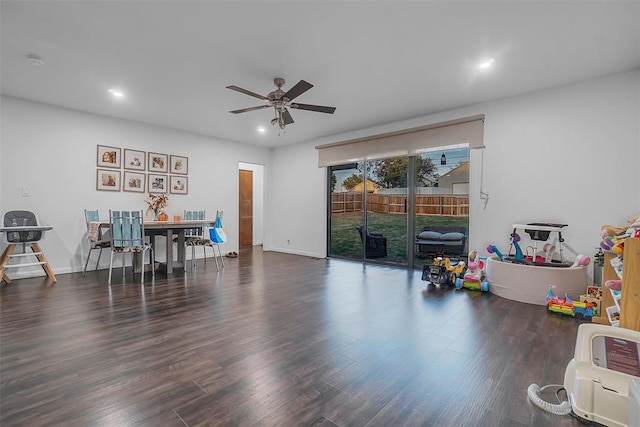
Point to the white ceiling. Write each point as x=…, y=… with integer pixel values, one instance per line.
x=377, y=62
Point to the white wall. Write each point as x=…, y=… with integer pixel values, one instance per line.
x=297, y=208
x=564, y=155
x=52, y=151
x=258, y=200
x=567, y=155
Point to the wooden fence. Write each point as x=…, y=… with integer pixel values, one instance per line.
x=436, y=204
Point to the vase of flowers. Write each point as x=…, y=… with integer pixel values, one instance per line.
x=156, y=203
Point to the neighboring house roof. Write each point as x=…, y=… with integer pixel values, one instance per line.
x=371, y=187
x=459, y=170
x=457, y=174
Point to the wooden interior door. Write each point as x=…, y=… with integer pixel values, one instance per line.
x=246, y=208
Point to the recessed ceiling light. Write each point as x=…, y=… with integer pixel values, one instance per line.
x=116, y=93
x=487, y=63
x=261, y=129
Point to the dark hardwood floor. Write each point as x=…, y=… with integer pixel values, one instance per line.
x=274, y=340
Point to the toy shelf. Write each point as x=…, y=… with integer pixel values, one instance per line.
x=617, y=295
x=630, y=299
x=628, y=303
x=614, y=310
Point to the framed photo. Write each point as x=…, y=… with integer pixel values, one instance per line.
x=134, y=182
x=108, y=157
x=107, y=180
x=179, y=165
x=157, y=183
x=178, y=184
x=135, y=160
x=158, y=162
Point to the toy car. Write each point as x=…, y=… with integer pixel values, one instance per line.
x=436, y=274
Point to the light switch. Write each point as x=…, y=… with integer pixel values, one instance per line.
x=26, y=192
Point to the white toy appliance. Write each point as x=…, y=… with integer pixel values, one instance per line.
x=598, y=378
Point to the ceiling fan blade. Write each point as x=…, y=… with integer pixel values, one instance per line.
x=287, y=117
x=300, y=88
x=244, y=110
x=247, y=92
x=318, y=108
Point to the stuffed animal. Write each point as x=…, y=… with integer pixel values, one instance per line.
x=613, y=237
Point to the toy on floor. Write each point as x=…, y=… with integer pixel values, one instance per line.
x=436, y=272
x=442, y=271
x=455, y=270
x=593, y=295
x=474, y=278
x=568, y=307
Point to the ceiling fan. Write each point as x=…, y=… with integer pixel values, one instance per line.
x=280, y=100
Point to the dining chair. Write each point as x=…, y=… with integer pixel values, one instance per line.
x=194, y=237
x=127, y=236
x=95, y=237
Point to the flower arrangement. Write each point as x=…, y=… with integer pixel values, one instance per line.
x=157, y=201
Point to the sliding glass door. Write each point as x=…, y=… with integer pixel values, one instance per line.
x=369, y=210
x=386, y=210
x=378, y=208
x=441, y=205
x=345, y=211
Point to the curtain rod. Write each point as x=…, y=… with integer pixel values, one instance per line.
x=405, y=131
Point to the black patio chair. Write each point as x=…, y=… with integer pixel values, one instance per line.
x=376, y=243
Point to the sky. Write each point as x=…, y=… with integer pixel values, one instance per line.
x=454, y=157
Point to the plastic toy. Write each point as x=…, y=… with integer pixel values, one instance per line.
x=492, y=249
x=593, y=295
x=435, y=273
x=581, y=260
x=474, y=278
x=613, y=237
x=455, y=271
x=515, y=238
x=442, y=272
x=577, y=309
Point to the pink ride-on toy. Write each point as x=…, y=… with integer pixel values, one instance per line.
x=474, y=278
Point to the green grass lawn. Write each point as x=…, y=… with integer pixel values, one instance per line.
x=345, y=240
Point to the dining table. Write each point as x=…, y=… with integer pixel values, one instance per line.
x=168, y=229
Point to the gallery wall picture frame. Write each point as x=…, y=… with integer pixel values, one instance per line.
x=108, y=157
x=107, y=180
x=135, y=160
x=178, y=184
x=157, y=183
x=179, y=165
x=134, y=182
x=158, y=162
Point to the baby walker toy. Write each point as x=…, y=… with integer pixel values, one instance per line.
x=474, y=278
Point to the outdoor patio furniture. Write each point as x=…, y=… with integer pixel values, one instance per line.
x=441, y=240
x=376, y=243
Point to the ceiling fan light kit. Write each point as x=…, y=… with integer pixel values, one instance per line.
x=281, y=101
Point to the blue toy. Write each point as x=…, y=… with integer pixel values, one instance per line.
x=492, y=249
x=515, y=238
